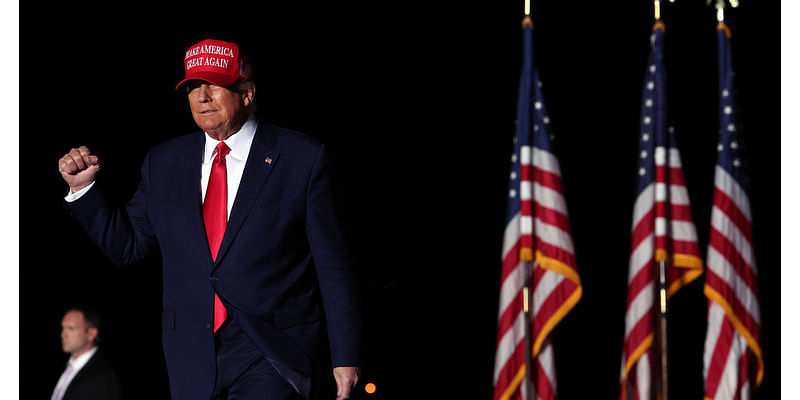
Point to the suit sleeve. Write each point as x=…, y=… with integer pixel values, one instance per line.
x=123, y=234
x=337, y=280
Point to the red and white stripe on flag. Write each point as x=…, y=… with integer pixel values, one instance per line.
x=733, y=340
x=733, y=364
x=555, y=283
x=662, y=230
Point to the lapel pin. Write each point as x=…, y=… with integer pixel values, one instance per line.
x=268, y=161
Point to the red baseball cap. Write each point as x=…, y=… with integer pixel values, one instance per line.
x=215, y=62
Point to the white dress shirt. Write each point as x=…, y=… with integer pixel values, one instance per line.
x=69, y=373
x=239, y=143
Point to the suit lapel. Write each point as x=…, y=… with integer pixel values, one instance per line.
x=189, y=167
x=79, y=377
x=260, y=163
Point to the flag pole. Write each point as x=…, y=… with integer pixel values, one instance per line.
x=530, y=386
x=661, y=265
x=526, y=307
x=662, y=325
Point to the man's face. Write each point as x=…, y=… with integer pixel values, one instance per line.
x=216, y=110
x=76, y=335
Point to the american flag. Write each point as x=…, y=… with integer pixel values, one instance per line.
x=662, y=230
x=733, y=366
x=537, y=230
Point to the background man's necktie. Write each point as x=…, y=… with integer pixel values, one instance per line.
x=215, y=216
x=61, y=388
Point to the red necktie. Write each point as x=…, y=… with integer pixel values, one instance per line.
x=215, y=216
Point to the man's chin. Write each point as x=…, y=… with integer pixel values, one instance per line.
x=211, y=128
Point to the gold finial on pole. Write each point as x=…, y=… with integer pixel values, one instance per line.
x=527, y=21
x=657, y=9
x=720, y=6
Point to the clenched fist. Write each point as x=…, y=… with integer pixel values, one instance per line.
x=78, y=168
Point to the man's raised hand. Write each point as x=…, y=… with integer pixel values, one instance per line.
x=78, y=168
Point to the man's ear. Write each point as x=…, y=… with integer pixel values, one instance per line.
x=92, y=333
x=249, y=94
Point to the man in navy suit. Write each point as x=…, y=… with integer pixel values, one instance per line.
x=255, y=271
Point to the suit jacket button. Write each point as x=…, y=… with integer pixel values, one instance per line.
x=214, y=279
x=208, y=326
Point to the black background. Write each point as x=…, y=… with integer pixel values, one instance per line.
x=417, y=102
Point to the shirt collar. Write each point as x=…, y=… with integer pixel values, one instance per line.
x=239, y=142
x=81, y=360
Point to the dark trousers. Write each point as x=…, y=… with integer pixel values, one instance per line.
x=243, y=373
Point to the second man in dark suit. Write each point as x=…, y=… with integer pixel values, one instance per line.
x=88, y=375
